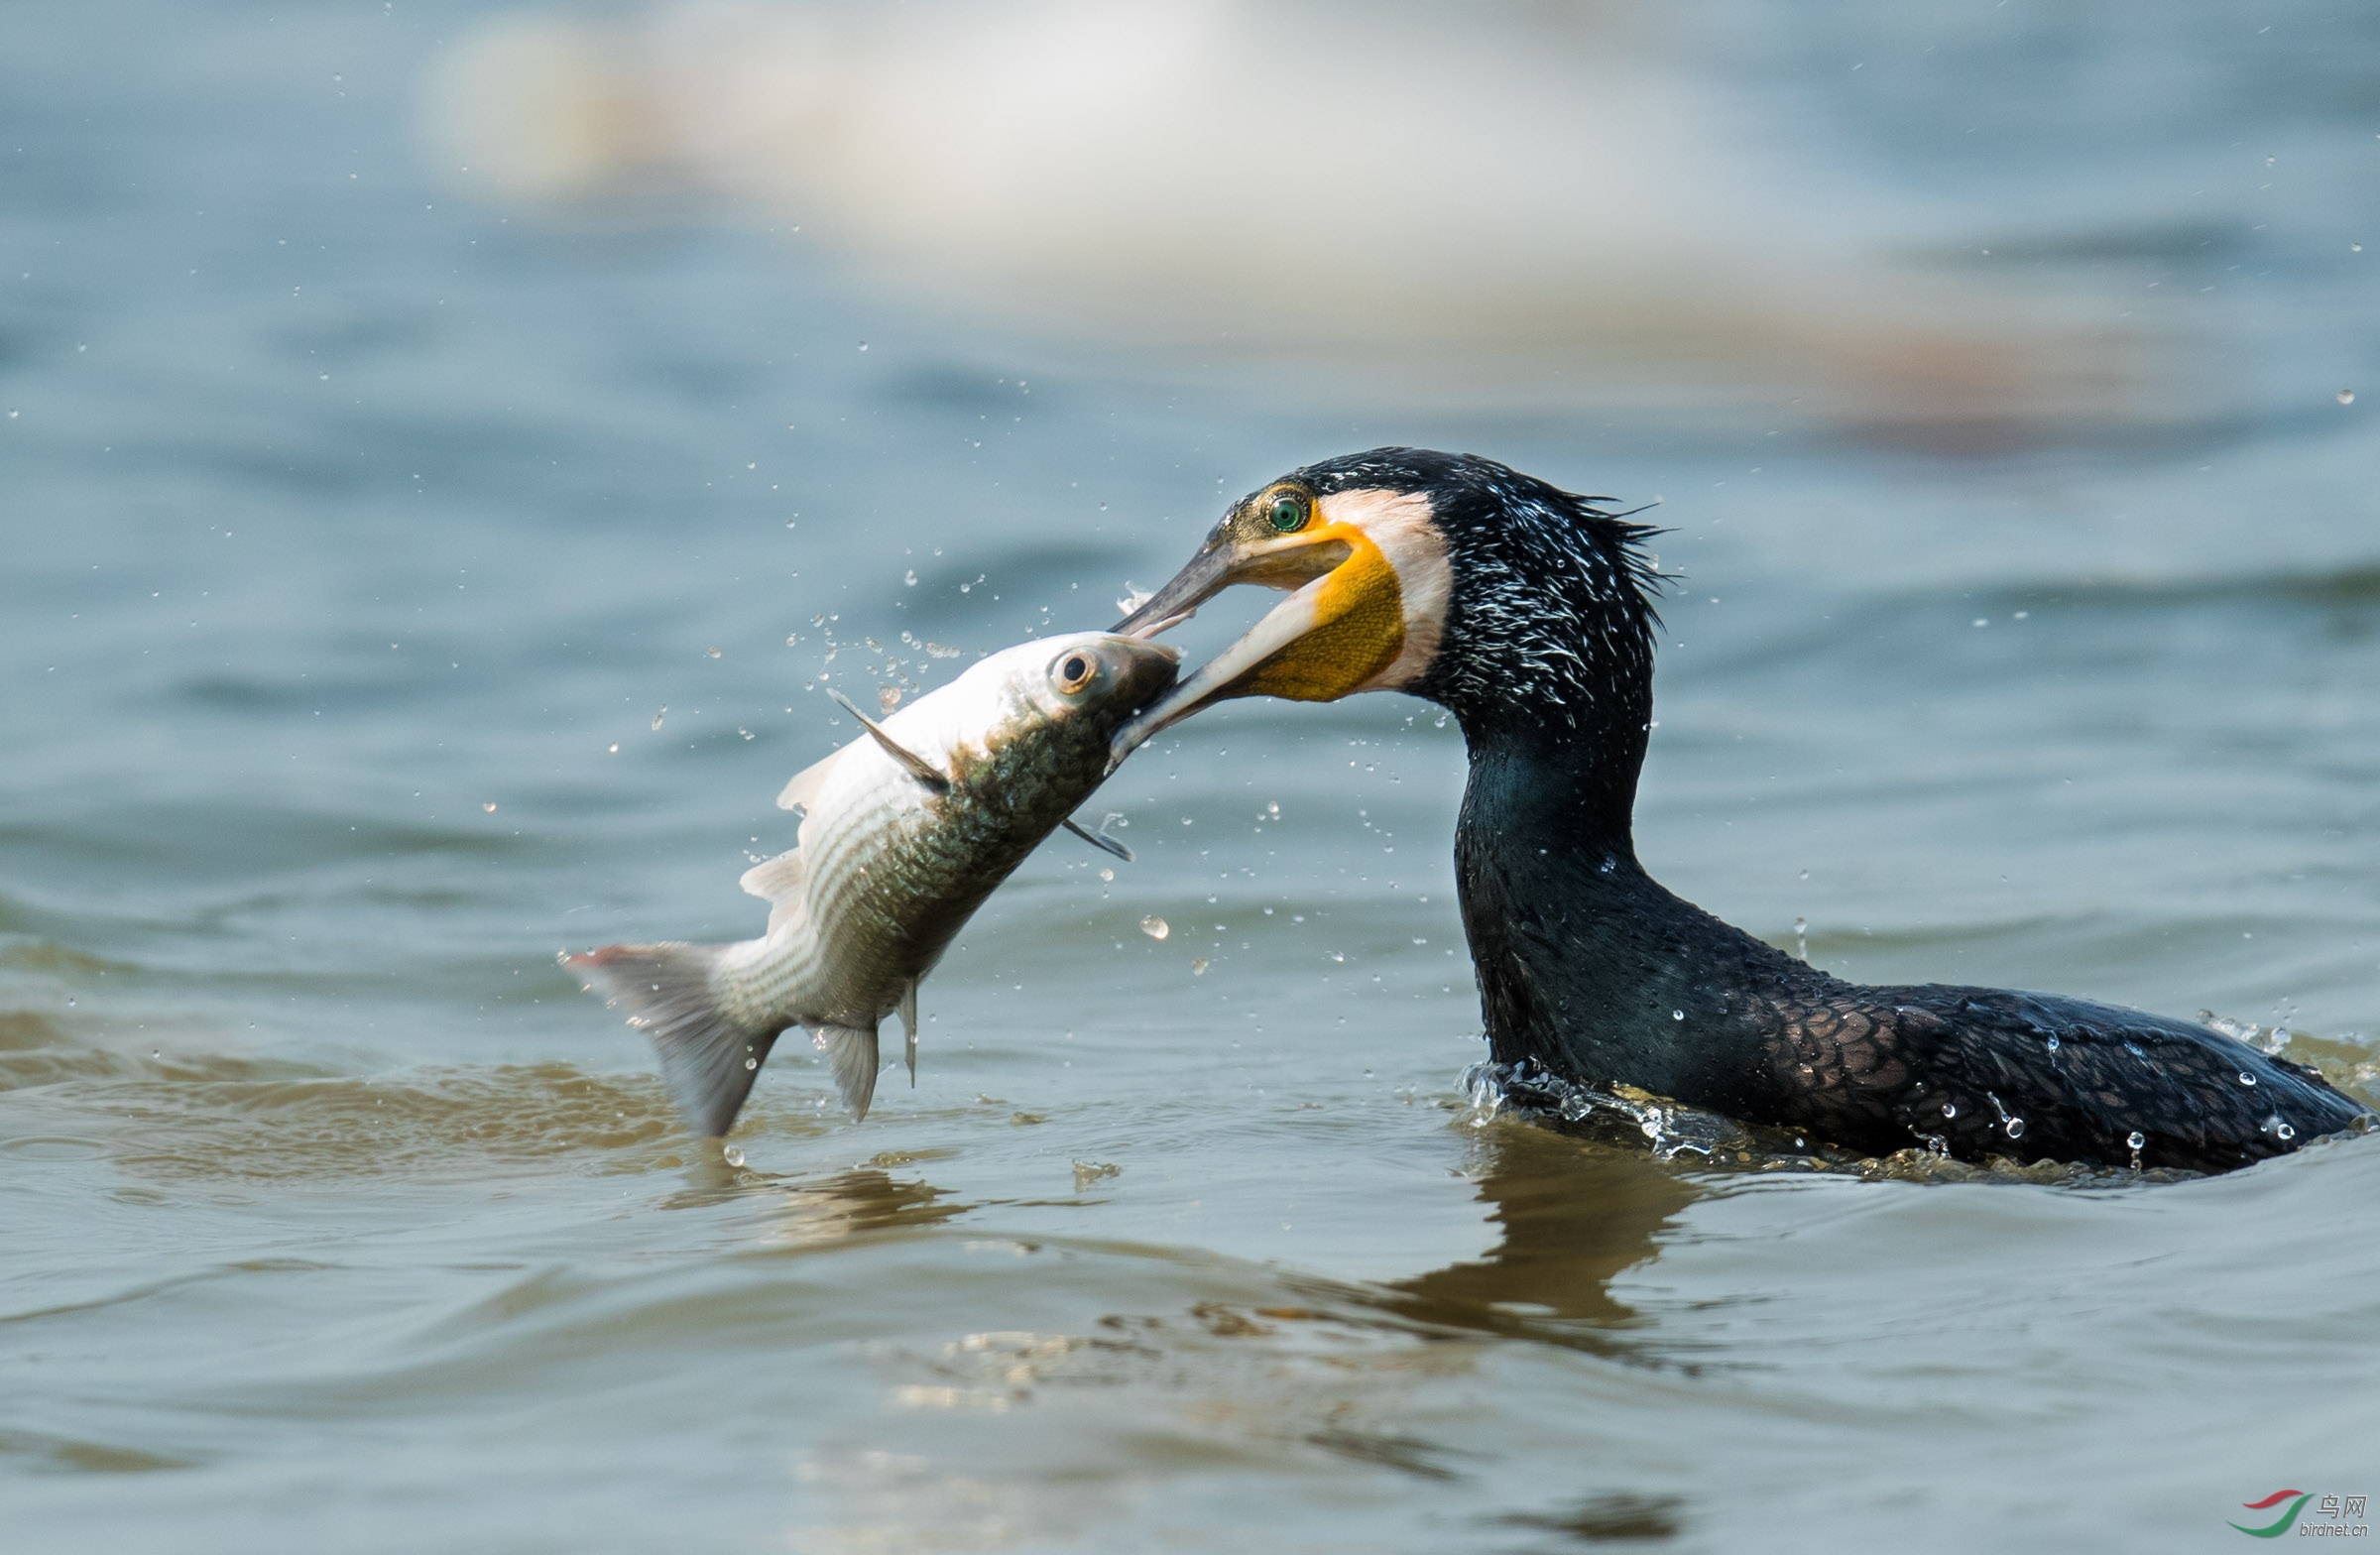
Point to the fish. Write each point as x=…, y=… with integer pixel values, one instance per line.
x=906, y=831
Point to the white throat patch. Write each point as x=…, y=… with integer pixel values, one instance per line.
x=1399, y=524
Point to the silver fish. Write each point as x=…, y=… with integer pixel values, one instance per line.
x=907, y=830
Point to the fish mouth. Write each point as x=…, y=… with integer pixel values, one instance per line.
x=1341, y=624
x=1143, y=668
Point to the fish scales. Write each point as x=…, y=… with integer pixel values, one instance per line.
x=906, y=832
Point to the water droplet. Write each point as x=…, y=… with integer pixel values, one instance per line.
x=664, y=713
x=731, y=1156
x=2016, y=1128
x=909, y=578
x=1677, y=1015
x=863, y=345
x=2345, y=397
x=2285, y=1131
x=2136, y=1139
x=2246, y=1078
x=751, y=1063
x=710, y=652
x=488, y=806
x=1950, y=1109
x=2053, y=1041
x=614, y=747
x=1198, y=968
x=1107, y=874
x=1155, y=927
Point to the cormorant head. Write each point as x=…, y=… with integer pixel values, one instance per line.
x=1513, y=603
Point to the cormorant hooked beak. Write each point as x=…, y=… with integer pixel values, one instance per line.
x=1367, y=581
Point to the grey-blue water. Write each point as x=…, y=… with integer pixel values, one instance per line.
x=401, y=584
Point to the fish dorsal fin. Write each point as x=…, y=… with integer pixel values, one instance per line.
x=777, y=879
x=782, y=882
x=802, y=792
x=916, y=766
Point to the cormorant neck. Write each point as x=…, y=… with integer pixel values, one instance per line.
x=1564, y=779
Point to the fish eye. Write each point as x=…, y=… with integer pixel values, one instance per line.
x=1073, y=672
x=1286, y=512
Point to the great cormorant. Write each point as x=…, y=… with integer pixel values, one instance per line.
x=1528, y=612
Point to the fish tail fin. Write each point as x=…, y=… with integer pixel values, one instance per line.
x=709, y=1060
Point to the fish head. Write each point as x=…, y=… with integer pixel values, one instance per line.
x=1048, y=711
x=1095, y=679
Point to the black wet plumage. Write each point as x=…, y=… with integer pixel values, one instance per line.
x=1590, y=968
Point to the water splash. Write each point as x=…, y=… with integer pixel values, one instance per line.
x=1670, y=1128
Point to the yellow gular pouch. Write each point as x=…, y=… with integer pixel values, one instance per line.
x=1358, y=629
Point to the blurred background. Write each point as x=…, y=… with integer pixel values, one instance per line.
x=1513, y=207
x=445, y=448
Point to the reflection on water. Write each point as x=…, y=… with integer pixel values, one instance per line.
x=812, y=1212
x=1271, y=1380
x=1604, y=1519
x=1572, y=1216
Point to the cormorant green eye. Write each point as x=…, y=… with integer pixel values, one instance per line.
x=1286, y=512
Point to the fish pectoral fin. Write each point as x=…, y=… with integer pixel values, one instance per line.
x=920, y=768
x=908, y=1022
x=850, y=1053
x=802, y=788
x=1100, y=840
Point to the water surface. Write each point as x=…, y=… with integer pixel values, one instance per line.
x=400, y=589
